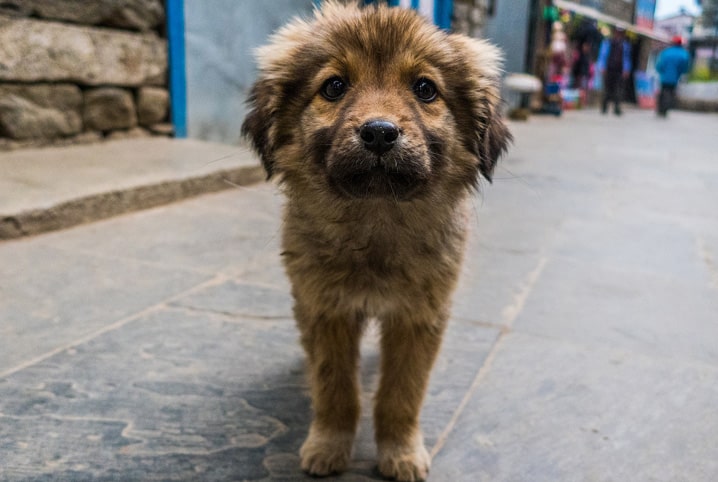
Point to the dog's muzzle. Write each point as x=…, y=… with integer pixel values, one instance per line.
x=377, y=164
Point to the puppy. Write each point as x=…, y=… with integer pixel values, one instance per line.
x=377, y=125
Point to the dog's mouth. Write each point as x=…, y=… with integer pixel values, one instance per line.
x=361, y=181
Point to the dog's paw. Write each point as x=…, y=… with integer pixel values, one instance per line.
x=404, y=463
x=326, y=453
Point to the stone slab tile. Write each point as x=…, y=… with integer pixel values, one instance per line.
x=238, y=299
x=168, y=397
x=490, y=280
x=650, y=246
x=178, y=395
x=219, y=233
x=687, y=205
x=549, y=410
x=546, y=194
x=597, y=305
x=464, y=351
x=49, y=297
x=267, y=269
x=667, y=156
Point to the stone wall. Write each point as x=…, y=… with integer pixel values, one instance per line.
x=82, y=70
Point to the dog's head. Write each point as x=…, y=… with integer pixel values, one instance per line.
x=376, y=101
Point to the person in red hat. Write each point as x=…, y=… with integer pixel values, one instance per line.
x=672, y=63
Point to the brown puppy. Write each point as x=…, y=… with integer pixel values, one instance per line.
x=378, y=125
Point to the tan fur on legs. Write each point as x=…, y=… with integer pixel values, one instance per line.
x=326, y=452
x=409, y=348
x=331, y=341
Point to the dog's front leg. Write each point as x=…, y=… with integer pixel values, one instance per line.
x=331, y=341
x=408, y=351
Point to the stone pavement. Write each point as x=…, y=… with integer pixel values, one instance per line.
x=159, y=345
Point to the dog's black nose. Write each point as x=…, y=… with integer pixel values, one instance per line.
x=379, y=135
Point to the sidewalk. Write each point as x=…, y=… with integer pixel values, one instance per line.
x=159, y=345
x=52, y=188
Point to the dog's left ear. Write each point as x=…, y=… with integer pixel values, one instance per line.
x=479, y=105
x=493, y=143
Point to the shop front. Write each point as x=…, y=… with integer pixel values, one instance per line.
x=568, y=62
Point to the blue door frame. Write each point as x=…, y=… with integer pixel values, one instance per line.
x=177, y=72
x=176, y=52
x=443, y=9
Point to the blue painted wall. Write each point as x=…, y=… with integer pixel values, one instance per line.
x=508, y=29
x=220, y=36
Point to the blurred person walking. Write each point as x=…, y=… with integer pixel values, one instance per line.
x=587, y=39
x=581, y=68
x=614, y=63
x=672, y=62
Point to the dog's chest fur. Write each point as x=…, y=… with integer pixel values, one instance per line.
x=374, y=256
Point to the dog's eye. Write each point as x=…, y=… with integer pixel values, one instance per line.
x=425, y=90
x=333, y=88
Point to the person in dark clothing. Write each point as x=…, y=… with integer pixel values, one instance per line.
x=581, y=68
x=671, y=64
x=587, y=38
x=587, y=33
x=614, y=62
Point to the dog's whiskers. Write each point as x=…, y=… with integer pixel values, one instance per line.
x=517, y=177
x=222, y=158
x=234, y=184
x=393, y=193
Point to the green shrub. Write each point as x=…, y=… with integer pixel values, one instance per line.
x=702, y=73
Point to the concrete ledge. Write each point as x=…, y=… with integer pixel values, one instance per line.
x=698, y=105
x=47, y=189
x=698, y=96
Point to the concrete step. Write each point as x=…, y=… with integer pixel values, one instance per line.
x=54, y=188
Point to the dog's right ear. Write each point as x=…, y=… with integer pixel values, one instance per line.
x=268, y=94
x=279, y=73
x=257, y=126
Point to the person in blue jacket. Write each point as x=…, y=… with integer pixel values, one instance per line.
x=671, y=64
x=614, y=63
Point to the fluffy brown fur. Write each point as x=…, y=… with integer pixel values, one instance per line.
x=374, y=232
